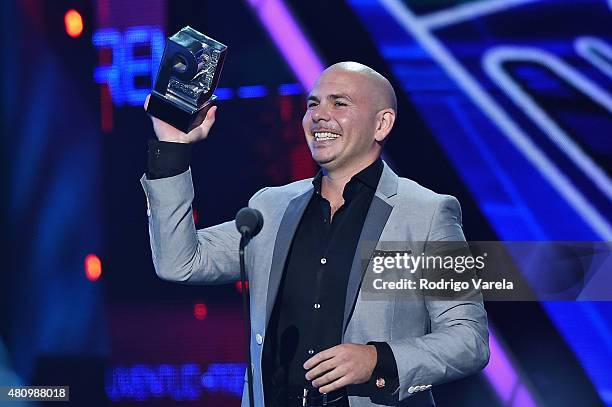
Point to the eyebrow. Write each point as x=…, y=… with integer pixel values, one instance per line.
x=331, y=97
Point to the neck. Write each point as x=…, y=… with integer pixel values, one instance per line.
x=334, y=180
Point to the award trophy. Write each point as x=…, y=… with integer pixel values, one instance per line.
x=187, y=77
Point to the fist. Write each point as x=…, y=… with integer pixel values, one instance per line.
x=166, y=132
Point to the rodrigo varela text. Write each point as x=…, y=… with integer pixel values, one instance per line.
x=458, y=264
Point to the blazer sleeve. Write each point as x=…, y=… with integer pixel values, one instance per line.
x=458, y=343
x=180, y=252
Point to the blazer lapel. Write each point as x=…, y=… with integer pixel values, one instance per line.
x=376, y=219
x=284, y=237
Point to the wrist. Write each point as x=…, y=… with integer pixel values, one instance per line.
x=373, y=357
x=166, y=158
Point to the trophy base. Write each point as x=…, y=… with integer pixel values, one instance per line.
x=182, y=117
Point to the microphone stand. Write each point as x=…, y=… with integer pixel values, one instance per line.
x=246, y=310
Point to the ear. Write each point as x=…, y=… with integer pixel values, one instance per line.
x=384, y=123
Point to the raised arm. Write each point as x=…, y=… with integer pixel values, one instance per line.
x=180, y=252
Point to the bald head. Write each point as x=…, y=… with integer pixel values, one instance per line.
x=379, y=87
x=350, y=111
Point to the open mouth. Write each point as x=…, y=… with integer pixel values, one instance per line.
x=325, y=135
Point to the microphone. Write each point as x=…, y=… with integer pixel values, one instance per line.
x=249, y=221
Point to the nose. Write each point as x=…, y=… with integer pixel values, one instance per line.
x=320, y=113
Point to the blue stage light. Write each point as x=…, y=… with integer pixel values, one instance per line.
x=126, y=66
x=178, y=382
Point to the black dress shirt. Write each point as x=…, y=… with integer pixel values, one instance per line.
x=309, y=310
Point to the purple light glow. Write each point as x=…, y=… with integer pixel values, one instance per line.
x=499, y=371
x=523, y=398
x=289, y=39
x=503, y=377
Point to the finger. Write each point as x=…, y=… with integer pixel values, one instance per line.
x=329, y=377
x=146, y=102
x=320, y=357
x=338, y=384
x=321, y=369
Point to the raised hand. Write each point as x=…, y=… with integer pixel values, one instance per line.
x=165, y=132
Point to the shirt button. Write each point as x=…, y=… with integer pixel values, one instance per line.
x=259, y=339
x=311, y=351
x=317, y=306
x=323, y=260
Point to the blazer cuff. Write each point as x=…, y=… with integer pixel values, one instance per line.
x=385, y=377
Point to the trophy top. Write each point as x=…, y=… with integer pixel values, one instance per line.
x=190, y=38
x=190, y=69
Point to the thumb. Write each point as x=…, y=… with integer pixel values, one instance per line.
x=209, y=120
x=211, y=114
x=201, y=132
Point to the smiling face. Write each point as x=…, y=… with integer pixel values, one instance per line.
x=342, y=120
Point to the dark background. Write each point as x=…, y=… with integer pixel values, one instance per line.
x=74, y=149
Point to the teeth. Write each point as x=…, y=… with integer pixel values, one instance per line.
x=325, y=136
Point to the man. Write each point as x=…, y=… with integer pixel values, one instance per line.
x=315, y=340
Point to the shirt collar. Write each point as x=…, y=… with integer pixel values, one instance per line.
x=369, y=176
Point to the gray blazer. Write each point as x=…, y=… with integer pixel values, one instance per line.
x=432, y=341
